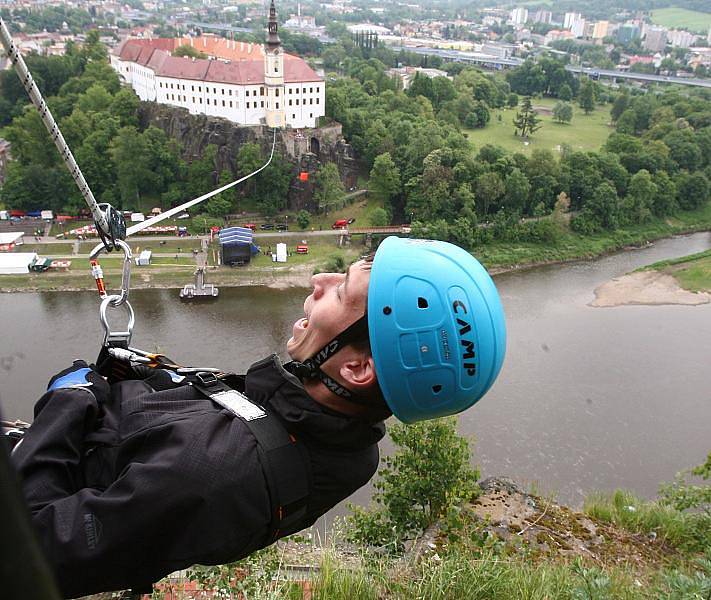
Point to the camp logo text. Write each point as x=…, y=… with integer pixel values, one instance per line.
x=465, y=327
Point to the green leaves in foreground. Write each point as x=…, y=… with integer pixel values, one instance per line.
x=426, y=479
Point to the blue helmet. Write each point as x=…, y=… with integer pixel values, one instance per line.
x=436, y=327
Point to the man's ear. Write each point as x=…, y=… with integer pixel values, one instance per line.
x=358, y=372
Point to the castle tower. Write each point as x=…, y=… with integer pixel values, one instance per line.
x=274, y=73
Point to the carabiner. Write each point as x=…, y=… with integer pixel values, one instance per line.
x=97, y=272
x=121, y=338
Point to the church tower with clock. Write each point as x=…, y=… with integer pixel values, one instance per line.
x=274, y=73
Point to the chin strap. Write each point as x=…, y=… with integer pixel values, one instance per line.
x=311, y=367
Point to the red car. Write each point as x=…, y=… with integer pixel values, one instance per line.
x=303, y=249
x=340, y=224
x=251, y=226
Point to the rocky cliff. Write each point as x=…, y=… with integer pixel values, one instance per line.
x=305, y=149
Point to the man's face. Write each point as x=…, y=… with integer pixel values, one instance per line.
x=337, y=301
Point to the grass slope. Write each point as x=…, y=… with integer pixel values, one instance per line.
x=682, y=18
x=585, y=132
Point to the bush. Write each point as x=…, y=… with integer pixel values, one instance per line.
x=303, y=219
x=426, y=479
x=334, y=264
x=379, y=217
x=201, y=224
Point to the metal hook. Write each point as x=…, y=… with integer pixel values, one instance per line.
x=122, y=296
x=112, y=337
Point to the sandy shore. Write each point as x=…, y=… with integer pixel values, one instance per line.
x=646, y=288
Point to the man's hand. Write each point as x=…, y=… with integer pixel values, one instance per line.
x=80, y=375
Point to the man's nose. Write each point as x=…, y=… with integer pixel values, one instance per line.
x=322, y=282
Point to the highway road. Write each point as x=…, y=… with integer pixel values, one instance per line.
x=499, y=63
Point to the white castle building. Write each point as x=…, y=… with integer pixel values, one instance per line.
x=248, y=84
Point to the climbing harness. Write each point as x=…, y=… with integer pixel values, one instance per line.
x=283, y=458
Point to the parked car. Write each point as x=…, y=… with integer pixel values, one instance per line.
x=340, y=224
x=282, y=227
x=302, y=249
x=251, y=226
x=266, y=226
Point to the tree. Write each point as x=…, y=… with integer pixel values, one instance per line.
x=489, y=188
x=664, y=202
x=221, y=205
x=249, y=159
x=526, y=121
x=693, y=190
x=587, y=96
x=384, y=179
x=329, y=190
x=603, y=206
x=565, y=93
x=512, y=100
x=201, y=172
x=273, y=185
x=379, y=217
x=619, y=106
x=189, y=51
x=637, y=205
x=563, y=112
x=129, y=149
x=517, y=189
x=303, y=219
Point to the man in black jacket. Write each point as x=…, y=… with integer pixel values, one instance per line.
x=129, y=482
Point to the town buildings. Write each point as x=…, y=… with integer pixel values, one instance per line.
x=246, y=83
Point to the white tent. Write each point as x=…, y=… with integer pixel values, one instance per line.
x=16, y=263
x=281, y=252
x=144, y=259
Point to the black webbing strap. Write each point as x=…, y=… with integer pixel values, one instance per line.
x=311, y=367
x=283, y=459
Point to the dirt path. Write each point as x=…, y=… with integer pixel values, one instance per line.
x=646, y=288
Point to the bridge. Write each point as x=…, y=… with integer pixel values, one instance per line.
x=498, y=63
x=376, y=230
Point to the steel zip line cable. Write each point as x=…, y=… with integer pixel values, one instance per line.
x=103, y=224
x=35, y=95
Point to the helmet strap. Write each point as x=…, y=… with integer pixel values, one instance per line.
x=311, y=367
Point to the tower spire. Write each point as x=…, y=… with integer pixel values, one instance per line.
x=273, y=40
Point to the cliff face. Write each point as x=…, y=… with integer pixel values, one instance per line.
x=305, y=149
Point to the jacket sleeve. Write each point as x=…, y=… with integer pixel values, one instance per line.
x=49, y=456
x=180, y=500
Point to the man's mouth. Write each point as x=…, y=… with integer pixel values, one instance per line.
x=302, y=323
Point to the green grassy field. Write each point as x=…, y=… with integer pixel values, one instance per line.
x=585, y=132
x=48, y=250
x=693, y=20
x=693, y=272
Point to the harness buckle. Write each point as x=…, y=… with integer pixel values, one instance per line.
x=207, y=379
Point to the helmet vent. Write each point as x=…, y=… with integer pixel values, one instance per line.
x=422, y=302
x=437, y=388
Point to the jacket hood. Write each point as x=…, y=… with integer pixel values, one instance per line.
x=269, y=383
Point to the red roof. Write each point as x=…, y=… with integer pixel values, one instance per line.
x=155, y=54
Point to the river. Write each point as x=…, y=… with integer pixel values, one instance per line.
x=589, y=398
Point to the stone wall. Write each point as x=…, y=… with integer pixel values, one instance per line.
x=306, y=149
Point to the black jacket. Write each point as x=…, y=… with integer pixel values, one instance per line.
x=129, y=488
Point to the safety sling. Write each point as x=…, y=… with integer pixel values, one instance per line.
x=284, y=459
